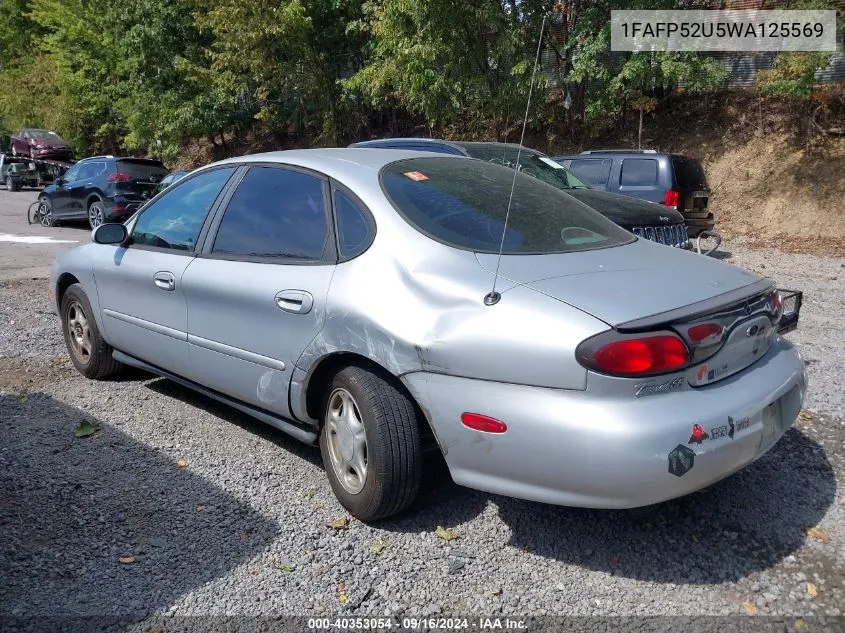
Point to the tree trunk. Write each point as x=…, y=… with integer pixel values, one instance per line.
x=640, y=131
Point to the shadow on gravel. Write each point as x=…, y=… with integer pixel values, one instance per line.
x=440, y=501
x=284, y=441
x=742, y=524
x=71, y=508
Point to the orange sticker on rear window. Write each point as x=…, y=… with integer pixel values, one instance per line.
x=416, y=175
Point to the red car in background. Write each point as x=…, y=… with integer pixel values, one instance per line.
x=40, y=144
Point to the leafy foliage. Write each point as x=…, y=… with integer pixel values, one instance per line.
x=146, y=76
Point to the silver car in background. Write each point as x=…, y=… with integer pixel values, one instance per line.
x=344, y=296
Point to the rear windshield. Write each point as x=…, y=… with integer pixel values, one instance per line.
x=463, y=203
x=141, y=167
x=530, y=162
x=688, y=172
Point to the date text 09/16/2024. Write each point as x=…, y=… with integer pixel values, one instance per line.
x=415, y=624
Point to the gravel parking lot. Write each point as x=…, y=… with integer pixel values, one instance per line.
x=181, y=505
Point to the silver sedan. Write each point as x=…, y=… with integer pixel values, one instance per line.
x=385, y=302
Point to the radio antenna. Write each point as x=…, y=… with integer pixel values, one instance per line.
x=492, y=297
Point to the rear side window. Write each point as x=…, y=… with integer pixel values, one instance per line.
x=141, y=169
x=353, y=230
x=595, y=171
x=463, y=203
x=174, y=220
x=276, y=213
x=688, y=173
x=639, y=172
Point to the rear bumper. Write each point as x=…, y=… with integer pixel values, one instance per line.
x=120, y=208
x=696, y=225
x=581, y=449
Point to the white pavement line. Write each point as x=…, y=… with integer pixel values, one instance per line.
x=33, y=239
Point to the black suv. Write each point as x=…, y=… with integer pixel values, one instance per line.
x=650, y=221
x=674, y=180
x=101, y=189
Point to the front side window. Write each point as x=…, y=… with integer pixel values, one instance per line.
x=174, y=220
x=275, y=213
x=639, y=172
x=73, y=173
x=464, y=202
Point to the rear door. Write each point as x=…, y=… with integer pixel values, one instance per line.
x=640, y=178
x=139, y=285
x=257, y=293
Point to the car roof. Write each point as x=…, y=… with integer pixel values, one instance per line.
x=404, y=139
x=461, y=145
x=335, y=158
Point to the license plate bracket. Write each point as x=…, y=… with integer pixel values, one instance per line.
x=772, y=426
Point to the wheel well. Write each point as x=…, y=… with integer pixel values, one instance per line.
x=331, y=364
x=66, y=280
x=92, y=199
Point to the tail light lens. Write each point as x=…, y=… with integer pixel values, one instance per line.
x=119, y=176
x=672, y=198
x=704, y=331
x=633, y=354
x=777, y=305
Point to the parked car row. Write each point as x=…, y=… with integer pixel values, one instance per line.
x=382, y=302
x=675, y=180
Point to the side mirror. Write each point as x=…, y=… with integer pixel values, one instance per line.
x=112, y=233
x=60, y=181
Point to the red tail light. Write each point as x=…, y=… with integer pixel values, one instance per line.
x=119, y=176
x=777, y=305
x=702, y=331
x=646, y=354
x=672, y=198
x=479, y=422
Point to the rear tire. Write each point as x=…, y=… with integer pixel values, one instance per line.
x=388, y=451
x=96, y=214
x=11, y=184
x=89, y=352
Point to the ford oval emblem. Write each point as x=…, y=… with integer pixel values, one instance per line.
x=747, y=308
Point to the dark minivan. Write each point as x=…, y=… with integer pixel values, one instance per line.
x=674, y=180
x=101, y=189
x=650, y=221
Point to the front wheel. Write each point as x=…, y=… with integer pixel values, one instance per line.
x=89, y=352
x=11, y=184
x=370, y=444
x=43, y=213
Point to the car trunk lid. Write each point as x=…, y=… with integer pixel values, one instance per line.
x=624, y=283
x=641, y=287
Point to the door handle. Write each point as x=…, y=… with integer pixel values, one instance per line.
x=165, y=280
x=294, y=301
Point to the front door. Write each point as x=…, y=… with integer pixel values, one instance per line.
x=256, y=295
x=140, y=285
x=61, y=199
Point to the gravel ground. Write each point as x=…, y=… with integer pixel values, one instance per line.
x=239, y=526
